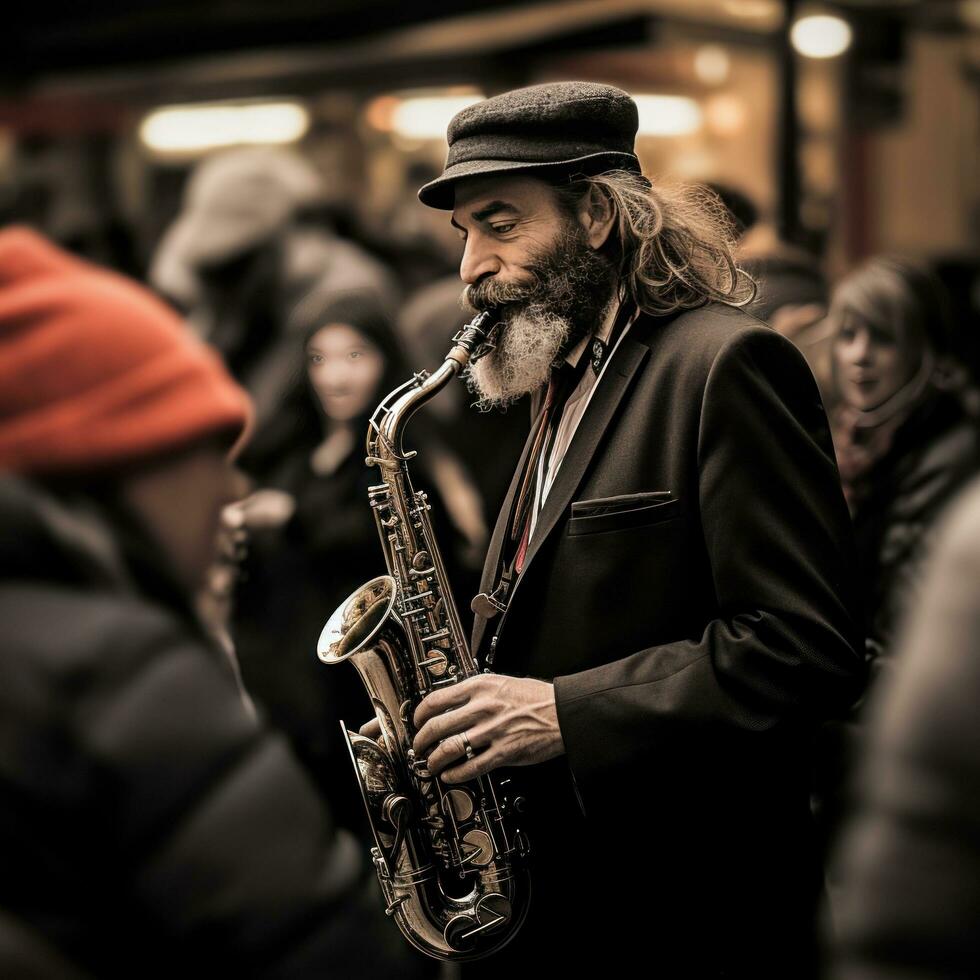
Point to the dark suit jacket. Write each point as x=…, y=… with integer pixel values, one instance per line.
x=695, y=643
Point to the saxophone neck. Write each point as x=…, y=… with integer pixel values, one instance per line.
x=388, y=424
x=392, y=416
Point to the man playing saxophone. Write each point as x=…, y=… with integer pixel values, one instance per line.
x=666, y=605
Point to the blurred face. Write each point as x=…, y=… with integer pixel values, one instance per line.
x=345, y=369
x=179, y=500
x=872, y=361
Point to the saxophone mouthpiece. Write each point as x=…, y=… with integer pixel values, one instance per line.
x=478, y=337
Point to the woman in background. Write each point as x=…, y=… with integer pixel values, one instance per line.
x=905, y=433
x=312, y=535
x=906, y=440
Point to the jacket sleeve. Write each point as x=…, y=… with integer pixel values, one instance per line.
x=221, y=845
x=781, y=655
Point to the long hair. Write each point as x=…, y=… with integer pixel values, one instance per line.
x=906, y=298
x=674, y=244
x=297, y=425
x=900, y=292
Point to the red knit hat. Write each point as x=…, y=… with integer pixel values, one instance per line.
x=95, y=371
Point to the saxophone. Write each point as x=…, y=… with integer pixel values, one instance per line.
x=450, y=861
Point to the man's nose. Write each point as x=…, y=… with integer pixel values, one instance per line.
x=478, y=261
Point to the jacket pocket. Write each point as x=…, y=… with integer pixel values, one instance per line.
x=625, y=511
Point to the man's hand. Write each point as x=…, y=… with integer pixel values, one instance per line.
x=509, y=721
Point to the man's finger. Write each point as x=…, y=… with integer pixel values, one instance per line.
x=480, y=765
x=446, y=753
x=442, y=726
x=453, y=749
x=442, y=700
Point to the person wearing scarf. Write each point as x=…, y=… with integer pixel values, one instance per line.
x=904, y=431
x=906, y=440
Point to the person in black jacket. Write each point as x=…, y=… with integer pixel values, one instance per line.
x=667, y=598
x=150, y=824
x=906, y=441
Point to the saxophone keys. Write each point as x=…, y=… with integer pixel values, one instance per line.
x=478, y=845
x=422, y=562
x=397, y=809
x=418, y=766
x=435, y=663
x=395, y=905
x=490, y=913
x=460, y=803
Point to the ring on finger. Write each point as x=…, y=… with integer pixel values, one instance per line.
x=467, y=748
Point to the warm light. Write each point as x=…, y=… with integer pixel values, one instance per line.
x=195, y=128
x=821, y=36
x=751, y=9
x=380, y=110
x=426, y=117
x=667, y=115
x=712, y=64
x=725, y=114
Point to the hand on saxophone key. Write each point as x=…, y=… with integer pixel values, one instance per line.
x=505, y=721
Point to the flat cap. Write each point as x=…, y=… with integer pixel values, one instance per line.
x=554, y=131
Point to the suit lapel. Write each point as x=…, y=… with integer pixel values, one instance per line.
x=626, y=361
x=612, y=387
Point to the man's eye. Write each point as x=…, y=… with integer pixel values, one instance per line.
x=504, y=228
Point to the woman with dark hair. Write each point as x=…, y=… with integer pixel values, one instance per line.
x=312, y=536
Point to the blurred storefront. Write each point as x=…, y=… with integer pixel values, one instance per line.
x=852, y=134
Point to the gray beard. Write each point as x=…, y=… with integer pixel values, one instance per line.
x=541, y=320
x=530, y=344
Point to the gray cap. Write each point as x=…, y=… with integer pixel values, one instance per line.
x=553, y=131
x=239, y=198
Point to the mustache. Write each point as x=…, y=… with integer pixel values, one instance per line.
x=489, y=293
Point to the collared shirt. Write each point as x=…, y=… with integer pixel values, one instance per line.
x=574, y=409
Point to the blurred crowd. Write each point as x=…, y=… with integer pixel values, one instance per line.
x=223, y=763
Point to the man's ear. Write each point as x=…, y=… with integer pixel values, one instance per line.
x=597, y=214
